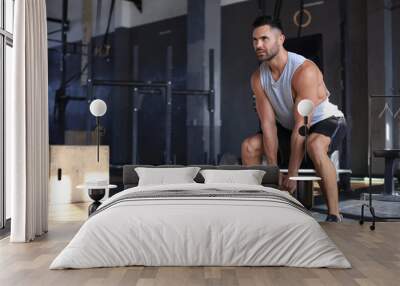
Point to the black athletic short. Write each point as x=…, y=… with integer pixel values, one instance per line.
x=333, y=127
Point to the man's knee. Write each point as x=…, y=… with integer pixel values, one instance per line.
x=252, y=146
x=317, y=147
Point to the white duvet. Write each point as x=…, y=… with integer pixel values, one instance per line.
x=185, y=231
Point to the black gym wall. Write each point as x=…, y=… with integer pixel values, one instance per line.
x=357, y=71
x=238, y=61
x=396, y=49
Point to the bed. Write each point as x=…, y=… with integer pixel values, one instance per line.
x=197, y=224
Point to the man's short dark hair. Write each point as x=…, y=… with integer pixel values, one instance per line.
x=267, y=20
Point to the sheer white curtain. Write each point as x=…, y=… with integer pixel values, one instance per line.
x=27, y=140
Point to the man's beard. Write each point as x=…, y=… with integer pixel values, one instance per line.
x=269, y=56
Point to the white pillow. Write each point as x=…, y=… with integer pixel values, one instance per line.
x=164, y=176
x=248, y=177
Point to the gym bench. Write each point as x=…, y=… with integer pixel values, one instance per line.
x=305, y=188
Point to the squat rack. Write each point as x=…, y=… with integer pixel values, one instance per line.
x=165, y=89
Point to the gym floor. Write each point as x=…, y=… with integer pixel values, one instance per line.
x=351, y=202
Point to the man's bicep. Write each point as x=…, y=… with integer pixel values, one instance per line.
x=306, y=87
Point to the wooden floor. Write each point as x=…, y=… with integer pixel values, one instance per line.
x=375, y=256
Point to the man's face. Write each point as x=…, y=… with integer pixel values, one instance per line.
x=267, y=42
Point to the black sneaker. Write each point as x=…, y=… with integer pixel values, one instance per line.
x=333, y=218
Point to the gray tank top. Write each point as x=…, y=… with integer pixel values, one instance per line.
x=279, y=94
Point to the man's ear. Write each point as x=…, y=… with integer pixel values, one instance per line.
x=282, y=38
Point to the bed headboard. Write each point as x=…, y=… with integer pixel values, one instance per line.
x=270, y=179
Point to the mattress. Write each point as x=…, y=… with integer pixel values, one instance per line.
x=201, y=225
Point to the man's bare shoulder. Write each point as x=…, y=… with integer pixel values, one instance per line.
x=255, y=75
x=307, y=72
x=255, y=79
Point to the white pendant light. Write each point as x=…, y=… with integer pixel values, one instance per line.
x=98, y=107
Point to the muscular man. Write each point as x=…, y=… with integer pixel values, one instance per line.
x=279, y=84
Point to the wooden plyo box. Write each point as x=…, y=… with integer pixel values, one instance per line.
x=78, y=164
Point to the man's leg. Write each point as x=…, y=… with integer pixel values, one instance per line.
x=252, y=150
x=317, y=149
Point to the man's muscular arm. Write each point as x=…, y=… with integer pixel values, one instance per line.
x=267, y=119
x=305, y=83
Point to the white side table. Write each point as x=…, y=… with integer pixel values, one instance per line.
x=96, y=193
x=304, y=190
